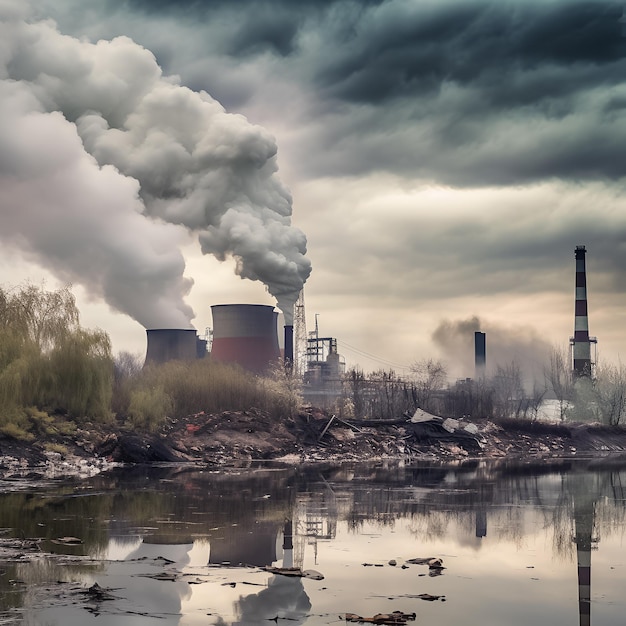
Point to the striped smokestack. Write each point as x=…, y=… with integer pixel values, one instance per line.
x=581, y=343
x=584, y=512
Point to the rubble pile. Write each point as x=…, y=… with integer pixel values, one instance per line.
x=313, y=435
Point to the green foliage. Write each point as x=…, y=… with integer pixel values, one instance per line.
x=48, y=362
x=14, y=430
x=149, y=408
x=59, y=448
x=126, y=368
x=195, y=386
x=81, y=374
x=180, y=388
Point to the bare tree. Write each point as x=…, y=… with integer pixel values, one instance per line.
x=534, y=401
x=508, y=390
x=610, y=389
x=430, y=376
x=558, y=377
x=355, y=383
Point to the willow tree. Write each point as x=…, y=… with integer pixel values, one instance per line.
x=48, y=361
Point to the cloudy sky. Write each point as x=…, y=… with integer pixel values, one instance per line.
x=426, y=166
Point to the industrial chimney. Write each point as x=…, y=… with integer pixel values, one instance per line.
x=245, y=334
x=480, y=354
x=168, y=344
x=288, y=350
x=581, y=342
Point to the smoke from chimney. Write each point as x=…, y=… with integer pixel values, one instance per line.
x=523, y=345
x=106, y=166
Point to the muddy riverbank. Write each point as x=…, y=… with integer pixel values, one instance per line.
x=232, y=438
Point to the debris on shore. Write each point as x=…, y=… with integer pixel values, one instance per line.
x=235, y=437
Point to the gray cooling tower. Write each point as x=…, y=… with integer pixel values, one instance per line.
x=169, y=344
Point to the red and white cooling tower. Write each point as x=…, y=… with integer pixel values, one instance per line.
x=245, y=334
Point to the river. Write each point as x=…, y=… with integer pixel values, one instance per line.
x=518, y=545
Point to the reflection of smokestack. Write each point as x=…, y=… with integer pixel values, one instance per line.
x=581, y=343
x=168, y=344
x=583, y=521
x=288, y=544
x=289, y=346
x=480, y=354
x=245, y=334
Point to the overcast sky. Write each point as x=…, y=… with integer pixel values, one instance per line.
x=426, y=166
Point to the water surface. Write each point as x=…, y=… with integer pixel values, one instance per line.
x=519, y=545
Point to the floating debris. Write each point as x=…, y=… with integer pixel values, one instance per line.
x=432, y=562
x=98, y=593
x=295, y=572
x=67, y=541
x=395, y=618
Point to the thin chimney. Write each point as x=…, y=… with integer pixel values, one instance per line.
x=581, y=343
x=288, y=346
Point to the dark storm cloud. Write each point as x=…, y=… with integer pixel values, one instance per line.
x=254, y=27
x=489, y=45
x=466, y=94
x=382, y=50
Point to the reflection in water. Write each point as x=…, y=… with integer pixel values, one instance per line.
x=210, y=533
x=283, y=598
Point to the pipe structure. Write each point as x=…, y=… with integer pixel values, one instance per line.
x=245, y=334
x=480, y=354
x=169, y=344
x=288, y=348
x=581, y=344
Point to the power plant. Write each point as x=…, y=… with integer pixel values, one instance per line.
x=246, y=335
x=580, y=343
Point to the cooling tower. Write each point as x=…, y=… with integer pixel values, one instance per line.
x=245, y=334
x=168, y=344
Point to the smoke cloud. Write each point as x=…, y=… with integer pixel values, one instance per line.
x=106, y=165
x=524, y=346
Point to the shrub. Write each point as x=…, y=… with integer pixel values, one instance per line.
x=149, y=408
x=49, y=362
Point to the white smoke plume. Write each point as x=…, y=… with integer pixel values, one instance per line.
x=105, y=163
x=505, y=345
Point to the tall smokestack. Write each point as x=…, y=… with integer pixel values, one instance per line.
x=581, y=343
x=288, y=346
x=480, y=354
